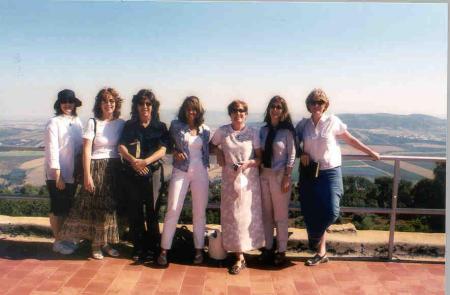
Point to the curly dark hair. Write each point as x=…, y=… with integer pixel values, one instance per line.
x=194, y=103
x=141, y=96
x=103, y=95
x=285, y=116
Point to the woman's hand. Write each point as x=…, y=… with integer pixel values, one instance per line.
x=60, y=183
x=375, y=156
x=89, y=183
x=139, y=164
x=285, y=183
x=143, y=171
x=304, y=159
x=179, y=156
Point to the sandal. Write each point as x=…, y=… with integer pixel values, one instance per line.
x=110, y=251
x=97, y=254
x=162, y=259
x=280, y=259
x=198, y=258
x=317, y=259
x=236, y=269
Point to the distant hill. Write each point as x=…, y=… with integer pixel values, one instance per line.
x=390, y=121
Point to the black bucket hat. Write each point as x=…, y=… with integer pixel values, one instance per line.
x=66, y=95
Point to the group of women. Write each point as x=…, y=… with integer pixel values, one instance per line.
x=256, y=163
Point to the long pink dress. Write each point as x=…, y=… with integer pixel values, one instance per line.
x=240, y=210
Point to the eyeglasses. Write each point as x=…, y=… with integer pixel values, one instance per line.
x=276, y=107
x=238, y=111
x=106, y=101
x=316, y=102
x=145, y=103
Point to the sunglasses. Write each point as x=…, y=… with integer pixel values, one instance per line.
x=145, y=103
x=316, y=102
x=276, y=107
x=111, y=101
x=238, y=111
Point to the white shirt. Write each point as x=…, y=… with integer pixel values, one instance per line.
x=106, y=138
x=320, y=142
x=62, y=142
x=195, y=144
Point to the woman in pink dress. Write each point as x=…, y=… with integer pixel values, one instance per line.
x=239, y=154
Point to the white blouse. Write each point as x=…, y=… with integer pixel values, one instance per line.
x=106, y=137
x=320, y=142
x=62, y=142
x=195, y=150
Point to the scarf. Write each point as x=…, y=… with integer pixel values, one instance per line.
x=268, y=146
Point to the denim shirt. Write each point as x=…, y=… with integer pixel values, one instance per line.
x=178, y=134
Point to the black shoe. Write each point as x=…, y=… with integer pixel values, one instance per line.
x=317, y=259
x=266, y=256
x=136, y=255
x=280, y=259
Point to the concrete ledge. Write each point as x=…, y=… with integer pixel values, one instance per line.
x=361, y=243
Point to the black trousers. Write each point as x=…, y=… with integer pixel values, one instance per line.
x=142, y=213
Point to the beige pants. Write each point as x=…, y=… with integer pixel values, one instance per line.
x=275, y=206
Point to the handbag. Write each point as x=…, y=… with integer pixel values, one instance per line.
x=215, y=246
x=78, y=172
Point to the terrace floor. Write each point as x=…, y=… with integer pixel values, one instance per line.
x=30, y=267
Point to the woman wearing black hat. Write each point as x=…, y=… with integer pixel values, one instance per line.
x=62, y=142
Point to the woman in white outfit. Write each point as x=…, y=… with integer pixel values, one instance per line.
x=190, y=140
x=278, y=144
x=62, y=142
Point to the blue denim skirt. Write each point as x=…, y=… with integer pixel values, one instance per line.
x=319, y=201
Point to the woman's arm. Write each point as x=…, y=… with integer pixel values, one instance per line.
x=125, y=154
x=256, y=162
x=354, y=142
x=87, y=156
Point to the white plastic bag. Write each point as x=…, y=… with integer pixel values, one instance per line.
x=215, y=248
x=240, y=183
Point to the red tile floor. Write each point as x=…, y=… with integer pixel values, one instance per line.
x=31, y=268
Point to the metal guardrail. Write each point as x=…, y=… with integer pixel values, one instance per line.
x=393, y=211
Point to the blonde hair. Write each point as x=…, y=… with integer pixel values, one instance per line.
x=317, y=94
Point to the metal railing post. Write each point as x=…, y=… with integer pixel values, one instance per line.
x=394, y=207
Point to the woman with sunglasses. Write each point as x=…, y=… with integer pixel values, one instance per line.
x=320, y=183
x=278, y=157
x=142, y=144
x=190, y=140
x=239, y=153
x=93, y=216
x=62, y=142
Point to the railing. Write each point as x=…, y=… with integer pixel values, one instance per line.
x=393, y=211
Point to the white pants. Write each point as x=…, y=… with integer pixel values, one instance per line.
x=275, y=205
x=197, y=178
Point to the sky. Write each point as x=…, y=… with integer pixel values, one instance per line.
x=368, y=57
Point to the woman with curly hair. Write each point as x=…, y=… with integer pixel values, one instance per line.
x=93, y=216
x=143, y=142
x=190, y=140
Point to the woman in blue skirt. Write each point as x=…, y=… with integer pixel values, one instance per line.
x=320, y=184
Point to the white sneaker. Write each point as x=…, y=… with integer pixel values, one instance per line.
x=60, y=247
x=56, y=246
